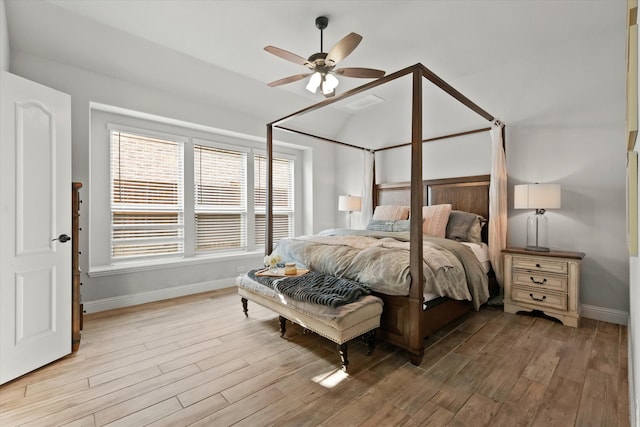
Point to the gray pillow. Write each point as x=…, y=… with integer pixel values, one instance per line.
x=465, y=227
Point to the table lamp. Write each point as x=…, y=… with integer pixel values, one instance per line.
x=539, y=197
x=349, y=204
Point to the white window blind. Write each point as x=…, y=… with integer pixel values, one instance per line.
x=147, y=207
x=220, y=178
x=283, y=204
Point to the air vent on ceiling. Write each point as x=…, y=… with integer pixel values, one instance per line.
x=364, y=102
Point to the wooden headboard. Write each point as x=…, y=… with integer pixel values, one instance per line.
x=469, y=193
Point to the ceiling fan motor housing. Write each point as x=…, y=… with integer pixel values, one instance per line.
x=320, y=64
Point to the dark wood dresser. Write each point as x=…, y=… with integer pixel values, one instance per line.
x=76, y=304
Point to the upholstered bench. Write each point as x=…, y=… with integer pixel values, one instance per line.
x=340, y=325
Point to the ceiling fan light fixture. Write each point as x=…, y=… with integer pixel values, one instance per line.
x=329, y=84
x=322, y=64
x=314, y=82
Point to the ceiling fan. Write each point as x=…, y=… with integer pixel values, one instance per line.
x=322, y=65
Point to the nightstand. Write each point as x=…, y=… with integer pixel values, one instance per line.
x=545, y=281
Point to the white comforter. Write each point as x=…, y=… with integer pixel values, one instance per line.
x=381, y=260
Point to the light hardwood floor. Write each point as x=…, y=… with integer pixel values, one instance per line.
x=198, y=361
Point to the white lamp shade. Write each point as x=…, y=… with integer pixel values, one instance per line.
x=314, y=82
x=329, y=84
x=349, y=203
x=536, y=196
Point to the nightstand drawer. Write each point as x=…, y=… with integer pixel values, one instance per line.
x=537, y=264
x=540, y=299
x=540, y=280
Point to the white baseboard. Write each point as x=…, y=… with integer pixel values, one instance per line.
x=604, y=314
x=158, y=295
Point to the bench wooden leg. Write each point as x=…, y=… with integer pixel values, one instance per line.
x=283, y=326
x=245, y=307
x=371, y=341
x=342, y=349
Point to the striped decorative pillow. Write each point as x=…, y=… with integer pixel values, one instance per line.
x=391, y=212
x=434, y=219
x=384, y=225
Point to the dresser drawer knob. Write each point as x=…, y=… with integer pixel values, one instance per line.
x=544, y=297
x=538, y=283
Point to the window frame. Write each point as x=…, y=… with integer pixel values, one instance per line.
x=244, y=211
x=180, y=226
x=291, y=211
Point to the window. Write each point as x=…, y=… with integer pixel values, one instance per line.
x=147, y=209
x=283, y=206
x=163, y=193
x=220, y=178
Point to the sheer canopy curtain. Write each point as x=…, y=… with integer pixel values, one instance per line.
x=366, y=210
x=497, y=200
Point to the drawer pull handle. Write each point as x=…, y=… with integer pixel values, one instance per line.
x=538, y=283
x=544, y=297
x=538, y=265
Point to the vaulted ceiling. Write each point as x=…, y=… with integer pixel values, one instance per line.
x=213, y=52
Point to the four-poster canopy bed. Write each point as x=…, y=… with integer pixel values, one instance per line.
x=406, y=320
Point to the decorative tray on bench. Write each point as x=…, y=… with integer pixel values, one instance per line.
x=280, y=273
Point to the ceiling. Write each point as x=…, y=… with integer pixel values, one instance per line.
x=212, y=50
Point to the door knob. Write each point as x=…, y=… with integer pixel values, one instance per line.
x=62, y=238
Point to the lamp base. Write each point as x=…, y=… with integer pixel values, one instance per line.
x=537, y=240
x=537, y=249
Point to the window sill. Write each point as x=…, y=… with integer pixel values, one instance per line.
x=140, y=266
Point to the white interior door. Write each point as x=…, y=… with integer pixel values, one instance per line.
x=35, y=209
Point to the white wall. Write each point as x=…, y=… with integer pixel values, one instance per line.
x=100, y=292
x=463, y=156
x=349, y=168
x=4, y=39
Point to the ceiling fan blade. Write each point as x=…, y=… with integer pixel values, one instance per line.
x=343, y=48
x=364, y=73
x=330, y=94
x=292, y=57
x=289, y=79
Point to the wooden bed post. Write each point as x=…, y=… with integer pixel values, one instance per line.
x=268, y=226
x=374, y=193
x=416, y=336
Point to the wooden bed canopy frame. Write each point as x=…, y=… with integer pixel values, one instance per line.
x=404, y=322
